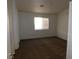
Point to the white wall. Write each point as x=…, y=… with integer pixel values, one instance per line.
x=69, y=45
x=27, y=26
x=62, y=24
x=13, y=32
x=8, y=39
x=11, y=49
x=15, y=25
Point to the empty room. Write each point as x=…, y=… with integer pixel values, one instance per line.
x=38, y=29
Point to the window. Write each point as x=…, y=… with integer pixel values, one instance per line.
x=41, y=23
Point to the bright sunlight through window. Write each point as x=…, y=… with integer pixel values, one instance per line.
x=41, y=23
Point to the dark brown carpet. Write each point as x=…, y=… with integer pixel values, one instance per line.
x=44, y=48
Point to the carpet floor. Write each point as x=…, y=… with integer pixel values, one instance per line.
x=42, y=48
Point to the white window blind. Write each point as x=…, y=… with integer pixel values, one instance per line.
x=41, y=23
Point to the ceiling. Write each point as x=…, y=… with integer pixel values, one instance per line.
x=48, y=6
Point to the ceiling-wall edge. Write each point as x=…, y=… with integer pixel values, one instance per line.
x=36, y=12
